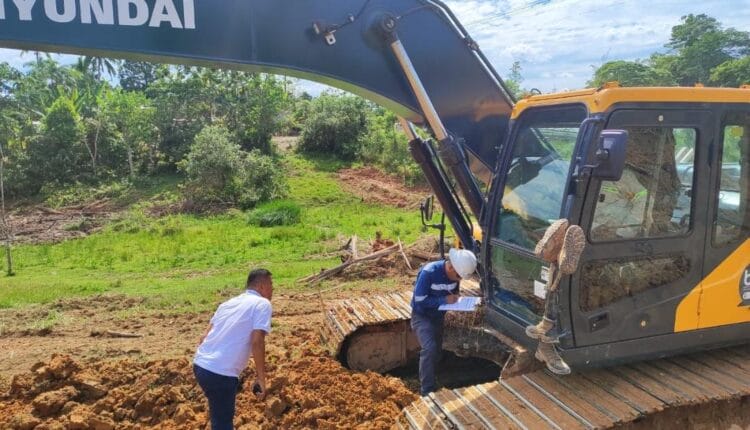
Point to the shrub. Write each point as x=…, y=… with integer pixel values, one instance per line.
x=219, y=171
x=280, y=212
x=58, y=154
x=387, y=147
x=262, y=179
x=335, y=125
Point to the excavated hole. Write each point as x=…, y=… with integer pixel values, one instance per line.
x=452, y=372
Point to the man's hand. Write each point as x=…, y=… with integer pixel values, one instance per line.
x=259, y=390
x=259, y=356
x=451, y=299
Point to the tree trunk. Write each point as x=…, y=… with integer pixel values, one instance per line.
x=9, y=258
x=95, y=152
x=130, y=162
x=5, y=228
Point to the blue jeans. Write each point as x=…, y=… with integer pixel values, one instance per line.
x=221, y=392
x=429, y=332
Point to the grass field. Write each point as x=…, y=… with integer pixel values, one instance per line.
x=184, y=261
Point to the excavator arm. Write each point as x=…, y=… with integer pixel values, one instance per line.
x=410, y=56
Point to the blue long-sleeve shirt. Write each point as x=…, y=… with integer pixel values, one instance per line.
x=430, y=290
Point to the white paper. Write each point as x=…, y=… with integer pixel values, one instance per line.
x=540, y=289
x=544, y=274
x=464, y=304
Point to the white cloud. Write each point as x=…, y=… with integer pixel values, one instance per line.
x=560, y=42
x=18, y=58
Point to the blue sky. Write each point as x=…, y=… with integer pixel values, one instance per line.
x=560, y=42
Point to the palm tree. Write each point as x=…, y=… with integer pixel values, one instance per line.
x=38, y=55
x=98, y=66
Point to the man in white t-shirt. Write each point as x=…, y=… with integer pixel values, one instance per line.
x=238, y=328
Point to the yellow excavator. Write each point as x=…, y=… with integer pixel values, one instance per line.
x=656, y=320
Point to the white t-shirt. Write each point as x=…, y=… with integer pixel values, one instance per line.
x=226, y=348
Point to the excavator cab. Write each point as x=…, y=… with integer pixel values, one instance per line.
x=668, y=254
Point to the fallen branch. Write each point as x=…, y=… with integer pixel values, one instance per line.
x=353, y=247
x=111, y=333
x=313, y=279
x=427, y=256
x=403, y=254
x=49, y=211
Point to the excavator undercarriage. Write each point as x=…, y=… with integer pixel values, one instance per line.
x=373, y=333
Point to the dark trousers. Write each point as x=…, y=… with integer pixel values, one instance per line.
x=221, y=392
x=429, y=332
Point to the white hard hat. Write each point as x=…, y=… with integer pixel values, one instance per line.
x=463, y=261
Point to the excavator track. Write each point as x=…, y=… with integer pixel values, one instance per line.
x=597, y=399
x=373, y=333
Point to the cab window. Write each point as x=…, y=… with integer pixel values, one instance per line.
x=653, y=198
x=535, y=182
x=732, y=221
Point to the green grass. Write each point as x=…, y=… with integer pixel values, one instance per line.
x=185, y=261
x=280, y=212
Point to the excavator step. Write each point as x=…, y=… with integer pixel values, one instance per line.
x=596, y=399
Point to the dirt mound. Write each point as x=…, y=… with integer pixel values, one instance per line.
x=374, y=186
x=45, y=225
x=311, y=391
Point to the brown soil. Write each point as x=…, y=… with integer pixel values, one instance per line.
x=44, y=225
x=374, y=186
x=74, y=376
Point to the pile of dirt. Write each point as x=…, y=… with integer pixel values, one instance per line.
x=45, y=225
x=310, y=391
x=374, y=186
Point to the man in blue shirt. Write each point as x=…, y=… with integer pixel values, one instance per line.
x=437, y=284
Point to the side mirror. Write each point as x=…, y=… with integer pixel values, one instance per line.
x=427, y=208
x=610, y=155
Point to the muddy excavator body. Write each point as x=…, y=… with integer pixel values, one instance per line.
x=666, y=211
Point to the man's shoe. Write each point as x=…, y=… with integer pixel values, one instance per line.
x=543, y=331
x=548, y=354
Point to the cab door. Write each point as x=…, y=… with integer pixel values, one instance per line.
x=529, y=195
x=646, y=232
x=723, y=297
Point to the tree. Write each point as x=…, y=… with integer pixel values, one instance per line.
x=701, y=44
x=219, y=171
x=58, y=154
x=335, y=125
x=133, y=116
x=8, y=79
x=45, y=82
x=630, y=74
x=732, y=73
x=97, y=66
x=6, y=232
x=139, y=75
x=514, y=79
